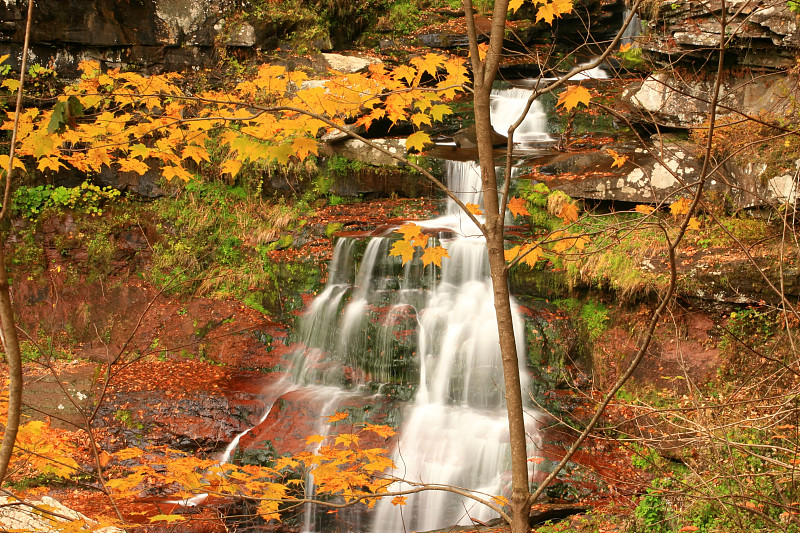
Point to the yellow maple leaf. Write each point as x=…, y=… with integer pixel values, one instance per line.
x=412, y=234
x=168, y=518
x=418, y=141
x=402, y=249
x=475, y=209
x=314, y=439
x=429, y=63
x=518, y=206
x=500, y=500
x=694, y=224
x=419, y=119
x=347, y=439
x=530, y=254
x=49, y=163
x=513, y=5
x=619, y=160
x=512, y=253
x=303, y=146
x=574, y=95
x=645, y=209
x=438, y=111
x=434, y=254
x=547, y=11
x=133, y=165
x=568, y=212
x=483, y=49
x=680, y=207
x=231, y=166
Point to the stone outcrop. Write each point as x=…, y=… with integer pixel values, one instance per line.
x=15, y=517
x=760, y=34
x=660, y=173
x=681, y=38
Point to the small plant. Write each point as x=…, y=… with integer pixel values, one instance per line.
x=29, y=202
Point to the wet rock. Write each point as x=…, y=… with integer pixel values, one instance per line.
x=468, y=138
x=357, y=150
x=299, y=414
x=21, y=518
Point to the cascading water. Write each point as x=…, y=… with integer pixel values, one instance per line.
x=507, y=105
x=380, y=324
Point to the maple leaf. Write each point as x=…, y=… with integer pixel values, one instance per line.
x=168, y=518
x=173, y=171
x=347, y=439
x=550, y=10
x=51, y=163
x=303, y=146
x=133, y=165
x=438, y=111
x=231, y=166
x=4, y=163
x=625, y=47
x=475, y=209
x=405, y=72
x=337, y=417
x=512, y=253
x=518, y=206
x=645, y=209
x=530, y=254
x=483, y=49
x=429, y=63
x=399, y=500
x=513, y=5
x=574, y=95
x=197, y=153
x=402, y=249
x=380, y=430
x=568, y=212
x=694, y=224
x=434, y=254
x=680, y=207
x=412, y=233
x=619, y=160
x=314, y=439
x=419, y=119
x=418, y=141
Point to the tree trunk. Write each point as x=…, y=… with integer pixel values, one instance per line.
x=494, y=231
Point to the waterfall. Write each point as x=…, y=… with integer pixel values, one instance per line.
x=507, y=106
x=432, y=331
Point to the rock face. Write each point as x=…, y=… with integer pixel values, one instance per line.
x=658, y=173
x=763, y=41
x=761, y=34
x=671, y=101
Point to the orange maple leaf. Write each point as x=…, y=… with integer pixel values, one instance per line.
x=399, y=500
x=568, y=212
x=434, y=254
x=475, y=209
x=518, y=206
x=646, y=209
x=625, y=47
x=574, y=95
x=619, y=160
x=337, y=417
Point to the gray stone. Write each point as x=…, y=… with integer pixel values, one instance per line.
x=349, y=64
x=360, y=151
x=663, y=173
x=674, y=102
x=24, y=518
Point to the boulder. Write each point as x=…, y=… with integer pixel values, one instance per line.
x=349, y=64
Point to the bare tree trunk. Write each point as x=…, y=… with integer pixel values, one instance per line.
x=8, y=327
x=484, y=73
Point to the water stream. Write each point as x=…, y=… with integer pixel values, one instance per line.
x=380, y=324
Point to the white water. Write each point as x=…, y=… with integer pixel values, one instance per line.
x=507, y=106
x=455, y=431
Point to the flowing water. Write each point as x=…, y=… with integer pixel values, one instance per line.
x=380, y=324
